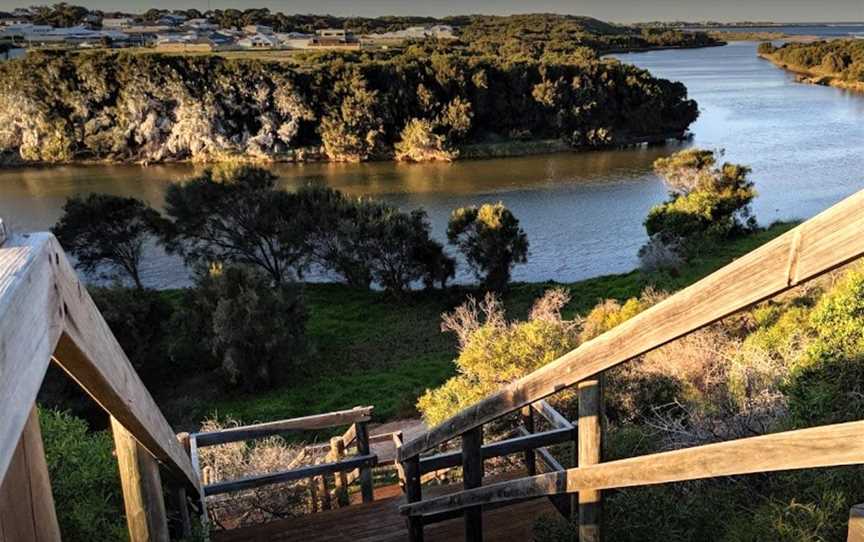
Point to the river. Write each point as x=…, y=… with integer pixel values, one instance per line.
x=582, y=212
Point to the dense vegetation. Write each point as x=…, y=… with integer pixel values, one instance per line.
x=840, y=59
x=509, y=78
x=708, y=203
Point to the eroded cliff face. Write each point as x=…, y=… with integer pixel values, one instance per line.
x=139, y=107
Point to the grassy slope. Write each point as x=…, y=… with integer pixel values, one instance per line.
x=373, y=350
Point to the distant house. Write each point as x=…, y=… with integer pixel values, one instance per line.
x=258, y=29
x=439, y=31
x=335, y=38
x=117, y=22
x=259, y=41
x=170, y=19
x=200, y=24
x=295, y=40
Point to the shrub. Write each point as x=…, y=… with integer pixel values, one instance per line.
x=825, y=387
x=85, y=479
x=241, y=459
x=420, y=143
x=706, y=201
x=139, y=320
x=491, y=240
x=493, y=351
x=258, y=328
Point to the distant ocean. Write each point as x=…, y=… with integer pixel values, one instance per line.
x=838, y=30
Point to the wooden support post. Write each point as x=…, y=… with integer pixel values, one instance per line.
x=413, y=493
x=142, y=488
x=313, y=495
x=528, y=423
x=324, y=489
x=26, y=504
x=337, y=449
x=856, y=524
x=472, y=476
x=365, y=472
x=590, y=436
x=180, y=492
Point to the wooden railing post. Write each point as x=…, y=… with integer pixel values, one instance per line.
x=530, y=456
x=472, y=476
x=413, y=493
x=365, y=472
x=180, y=492
x=340, y=479
x=590, y=435
x=856, y=524
x=142, y=488
x=26, y=503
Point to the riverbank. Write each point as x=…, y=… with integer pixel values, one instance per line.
x=475, y=151
x=814, y=76
x=371, y=349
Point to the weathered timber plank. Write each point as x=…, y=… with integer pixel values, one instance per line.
x=363, y=448
x=555, y=418
x=823, y=243
x=31, y=325
x=589, y=446
x=146, y=518
x=472, y=477
x=318, y=421
x=250, y=482
x=498, y=449
x=826, y=446
x=855, y=532
x=527, y=416
x=91, y=355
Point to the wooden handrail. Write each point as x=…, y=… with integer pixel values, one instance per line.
x=826, y=446
x=306, y=423
x=498, y=449
x=821, y=244
x=250, y=482
x=46, y=314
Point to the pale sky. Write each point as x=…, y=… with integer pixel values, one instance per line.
x=610, y=10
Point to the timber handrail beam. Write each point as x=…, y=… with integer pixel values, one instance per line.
x=498, y=449
x=823, y=243
x=825, y=446
x=251, y=482
x=47, y=314
x=306, y=423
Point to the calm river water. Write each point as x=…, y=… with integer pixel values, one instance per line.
x=583, y=212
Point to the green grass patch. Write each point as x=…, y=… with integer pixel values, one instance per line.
x=371, y=349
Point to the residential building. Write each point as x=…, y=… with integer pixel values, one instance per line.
x=258, y=29
x=259, y=41
x=117, y=22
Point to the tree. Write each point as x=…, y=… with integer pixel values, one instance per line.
x=490, y=238
x=705, y=200
x=365, y=241
x=237, y=215
x=108, y=233
x=258, y=328
x=403, y=251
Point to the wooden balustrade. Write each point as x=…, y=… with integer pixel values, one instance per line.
x=47, y=315
x=819, y=245
x=328, y=481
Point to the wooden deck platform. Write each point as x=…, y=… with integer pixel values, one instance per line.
x=380, y=521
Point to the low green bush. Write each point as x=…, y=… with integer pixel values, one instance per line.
x=84, y=479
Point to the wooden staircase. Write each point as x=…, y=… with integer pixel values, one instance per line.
x=380, y=521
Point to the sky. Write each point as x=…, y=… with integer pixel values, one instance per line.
x=609, y=10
